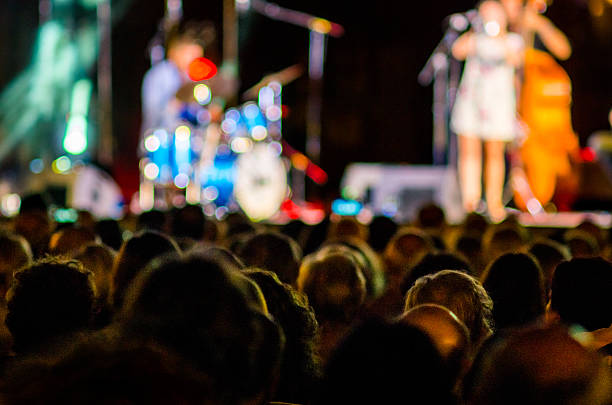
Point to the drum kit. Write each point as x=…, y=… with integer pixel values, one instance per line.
x=225, y=160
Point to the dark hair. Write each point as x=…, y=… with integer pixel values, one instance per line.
x=503, y=238
x=188, y=222
x=384, y=363
x=580, y=292
x=581, y=243
x=133, y=256
x=431, y=215
x=153, y=220
x=275, y=252
x=381, y=230
x=197, y=306
x=97, y=371
x=49, y=299
x=110, y=233
x=541, y=365
x=515, y=283
x=69, y=240
x=549, y=254
x=300, y=367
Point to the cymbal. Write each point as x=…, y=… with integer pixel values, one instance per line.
x=284, y=77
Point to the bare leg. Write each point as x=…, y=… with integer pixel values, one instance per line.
x=495, y=168
x=470, y=171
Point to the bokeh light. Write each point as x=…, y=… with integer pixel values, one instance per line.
x=201, y=69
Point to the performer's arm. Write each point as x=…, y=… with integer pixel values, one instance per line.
x=552, y=37
x=463, y=46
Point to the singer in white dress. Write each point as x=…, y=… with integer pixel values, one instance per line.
x=485, y=108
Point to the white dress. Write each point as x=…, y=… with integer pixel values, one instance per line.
x=485, y=106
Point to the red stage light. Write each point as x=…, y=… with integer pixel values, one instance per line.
x=588, y=154
x=201, y=69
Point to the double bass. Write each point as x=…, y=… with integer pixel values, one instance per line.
x=550, y=147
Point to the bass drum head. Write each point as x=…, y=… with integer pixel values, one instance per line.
x=261, y=182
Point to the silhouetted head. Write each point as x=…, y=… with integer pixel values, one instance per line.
x=580, y=292
x=275, y=252
x=48, y=300
x=450, y=336
x=133, y=256
x=100, y=372
x=383, y=363
x=380, y=232
x=549, y=254
x=69, y=240
x=110, y=233
x=406, y=248
x=541, y=365
x=581, y=243
x=334, y=284
x=188, y=222
x=300, y=367
x=200, y=307
x=462, y=294
x=515, y=283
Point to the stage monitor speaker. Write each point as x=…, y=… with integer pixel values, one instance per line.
x=398, y=191
x=86, y=187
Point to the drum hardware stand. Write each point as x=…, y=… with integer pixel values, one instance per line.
x=319, y=29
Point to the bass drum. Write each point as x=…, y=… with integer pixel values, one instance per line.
x=261, y=181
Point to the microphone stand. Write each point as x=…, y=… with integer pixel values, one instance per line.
x=443, y=70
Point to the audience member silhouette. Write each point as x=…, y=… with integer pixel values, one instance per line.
x=385, y=363
x=581, y=243
x=380, y=232
x=462, y=294
x=153, y=220
x=580, y=293
x=336, y=289
x=187, y=225
x=47, y=301
x=541, y=365
x=450, y=336
x=102, y=372
x=371, y=265
x=549, y=254
x=515, y=283
x=69, y=240
x=133, y=256
x=197, y=306
x=274, y=252
x=299, y=371
x=110, y=233
x=99, y=259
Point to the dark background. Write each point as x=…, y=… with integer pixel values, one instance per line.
x=373, y=108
